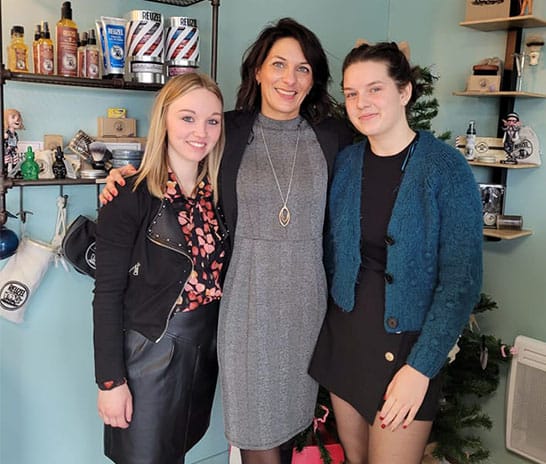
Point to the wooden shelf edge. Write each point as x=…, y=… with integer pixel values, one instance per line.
x=505, y=93
x=502, y=165
x=501, y=24
x=506, y=234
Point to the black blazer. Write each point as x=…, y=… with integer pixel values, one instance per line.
x=332, y=134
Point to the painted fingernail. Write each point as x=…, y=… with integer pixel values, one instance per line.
x=381, y=418
x=404, y=426
x=383, y=426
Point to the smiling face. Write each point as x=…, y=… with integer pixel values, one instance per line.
x=13, y=120
x=194, y=125
x=285, y=79
x=375, y=104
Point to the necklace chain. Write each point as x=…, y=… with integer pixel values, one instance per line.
x=284, y=213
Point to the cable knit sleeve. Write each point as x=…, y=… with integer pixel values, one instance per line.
x=458, y=270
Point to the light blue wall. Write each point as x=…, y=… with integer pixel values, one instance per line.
x=47, y=396
x=47, y=393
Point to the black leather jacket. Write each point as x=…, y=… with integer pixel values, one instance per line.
x=142, y=267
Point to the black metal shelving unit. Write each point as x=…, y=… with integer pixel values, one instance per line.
x=115, y=84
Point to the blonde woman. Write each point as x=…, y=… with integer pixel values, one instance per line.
x=161, y=248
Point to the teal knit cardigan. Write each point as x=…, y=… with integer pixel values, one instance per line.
x=434, y=251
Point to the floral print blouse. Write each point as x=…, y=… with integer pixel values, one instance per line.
x=200, y=227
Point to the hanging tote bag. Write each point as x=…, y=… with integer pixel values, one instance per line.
x=21, y=276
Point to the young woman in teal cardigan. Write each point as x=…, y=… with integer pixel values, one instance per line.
x=404, y=258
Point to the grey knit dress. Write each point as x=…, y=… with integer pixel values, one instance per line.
x=275, y=292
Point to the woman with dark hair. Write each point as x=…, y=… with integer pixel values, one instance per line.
x=404, y=259
x=280, y=147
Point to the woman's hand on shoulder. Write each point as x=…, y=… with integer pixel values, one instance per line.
x=403, y=398
x=115, y=176
x=116, y=406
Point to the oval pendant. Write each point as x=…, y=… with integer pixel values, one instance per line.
x=284, y=216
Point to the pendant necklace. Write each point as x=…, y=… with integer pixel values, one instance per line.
x=284, y=213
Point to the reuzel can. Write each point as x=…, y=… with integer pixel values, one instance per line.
x=145, y=46
x=182, y=45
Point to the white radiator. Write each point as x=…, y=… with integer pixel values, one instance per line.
x=526, y=408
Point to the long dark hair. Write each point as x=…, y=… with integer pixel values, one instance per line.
x=318, y=103
x=398, y=66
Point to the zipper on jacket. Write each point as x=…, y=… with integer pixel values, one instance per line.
x=171, y=311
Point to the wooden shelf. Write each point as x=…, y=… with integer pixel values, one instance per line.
x=116, y=83
x=504, y=93
x=502, y=24
x=502, y=165
x=506, y=234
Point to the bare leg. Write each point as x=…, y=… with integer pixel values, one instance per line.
x=352, y=429
x=403, y=446
x=270, y=456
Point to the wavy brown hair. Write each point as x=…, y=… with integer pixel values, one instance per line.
x=318, y=103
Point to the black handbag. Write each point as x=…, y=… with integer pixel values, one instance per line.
x=78, y=245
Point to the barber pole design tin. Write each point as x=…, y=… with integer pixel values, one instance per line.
x=145, y=46
x=182, y=45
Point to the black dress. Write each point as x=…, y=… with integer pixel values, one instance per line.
x=355, y=358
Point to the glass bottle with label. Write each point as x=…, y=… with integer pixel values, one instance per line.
x=67, y=43
x=92, y=56
x=18, y=50
x=46, y=51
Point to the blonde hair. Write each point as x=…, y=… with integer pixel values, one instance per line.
x=12, y=111
x=154, y=167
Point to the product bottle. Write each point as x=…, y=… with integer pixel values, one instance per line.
x=92, y=56
x=30, y=168
x=37, y=35
x=470, y=141
x=67, y=43
x=18, y=50
x=82, y=46
x=46, y=53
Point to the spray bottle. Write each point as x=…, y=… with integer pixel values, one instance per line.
x=67, y=43
x=470, y=152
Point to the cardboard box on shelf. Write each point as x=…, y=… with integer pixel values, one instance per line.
x=483, y=83
x=116, y=127
x=478, y=10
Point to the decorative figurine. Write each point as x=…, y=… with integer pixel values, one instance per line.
x=520, y=142
x=59, y=168
x=13, y=121
x=30, y=168
x=511, y=127
x=534, y=44
x=525, y=7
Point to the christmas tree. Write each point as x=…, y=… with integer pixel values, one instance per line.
x=473, y=375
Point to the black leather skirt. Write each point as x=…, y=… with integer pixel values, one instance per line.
x=172, y=383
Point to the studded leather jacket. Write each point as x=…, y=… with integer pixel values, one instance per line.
x=142, y=267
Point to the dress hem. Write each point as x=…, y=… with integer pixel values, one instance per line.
x=270, y=445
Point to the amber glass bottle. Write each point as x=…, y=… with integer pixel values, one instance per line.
x=18, y=50
x=67, y=43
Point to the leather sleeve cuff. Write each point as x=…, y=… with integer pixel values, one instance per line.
x=109, y=384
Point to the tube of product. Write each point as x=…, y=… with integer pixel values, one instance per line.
x=111, y=32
